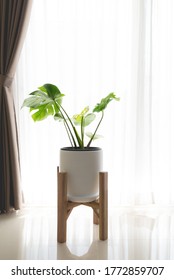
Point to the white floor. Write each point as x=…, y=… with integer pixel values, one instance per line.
x=134, y=233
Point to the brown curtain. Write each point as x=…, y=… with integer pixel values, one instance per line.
x=14, y=18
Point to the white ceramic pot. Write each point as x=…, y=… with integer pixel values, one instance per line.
x=82, y=167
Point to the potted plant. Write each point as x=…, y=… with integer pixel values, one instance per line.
x=81, y=161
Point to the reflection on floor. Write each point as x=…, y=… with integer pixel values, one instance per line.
x=134, y=233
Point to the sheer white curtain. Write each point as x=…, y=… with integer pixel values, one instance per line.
x=89, y=48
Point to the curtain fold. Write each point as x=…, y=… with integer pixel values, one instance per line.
x=14, y=18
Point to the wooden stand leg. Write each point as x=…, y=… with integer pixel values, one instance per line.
x=62, y=207
x=95, y=218
x=103, y=205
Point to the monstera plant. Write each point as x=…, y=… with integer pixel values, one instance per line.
x=80, y=161
x=47, y=101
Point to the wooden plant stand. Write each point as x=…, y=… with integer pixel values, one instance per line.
x=99, y=206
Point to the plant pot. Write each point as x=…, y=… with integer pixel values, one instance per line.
x=82, y=167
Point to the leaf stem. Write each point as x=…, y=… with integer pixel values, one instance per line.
x=67, y=125
x=82, y=131
x=89, y=143
x=74, y=129
x=68, y=133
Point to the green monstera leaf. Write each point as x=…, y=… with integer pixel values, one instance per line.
x=83, y=118
x=51, y=90
x=77, y=119
x=89, y=119
x=104, y=102
x=44, y=102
